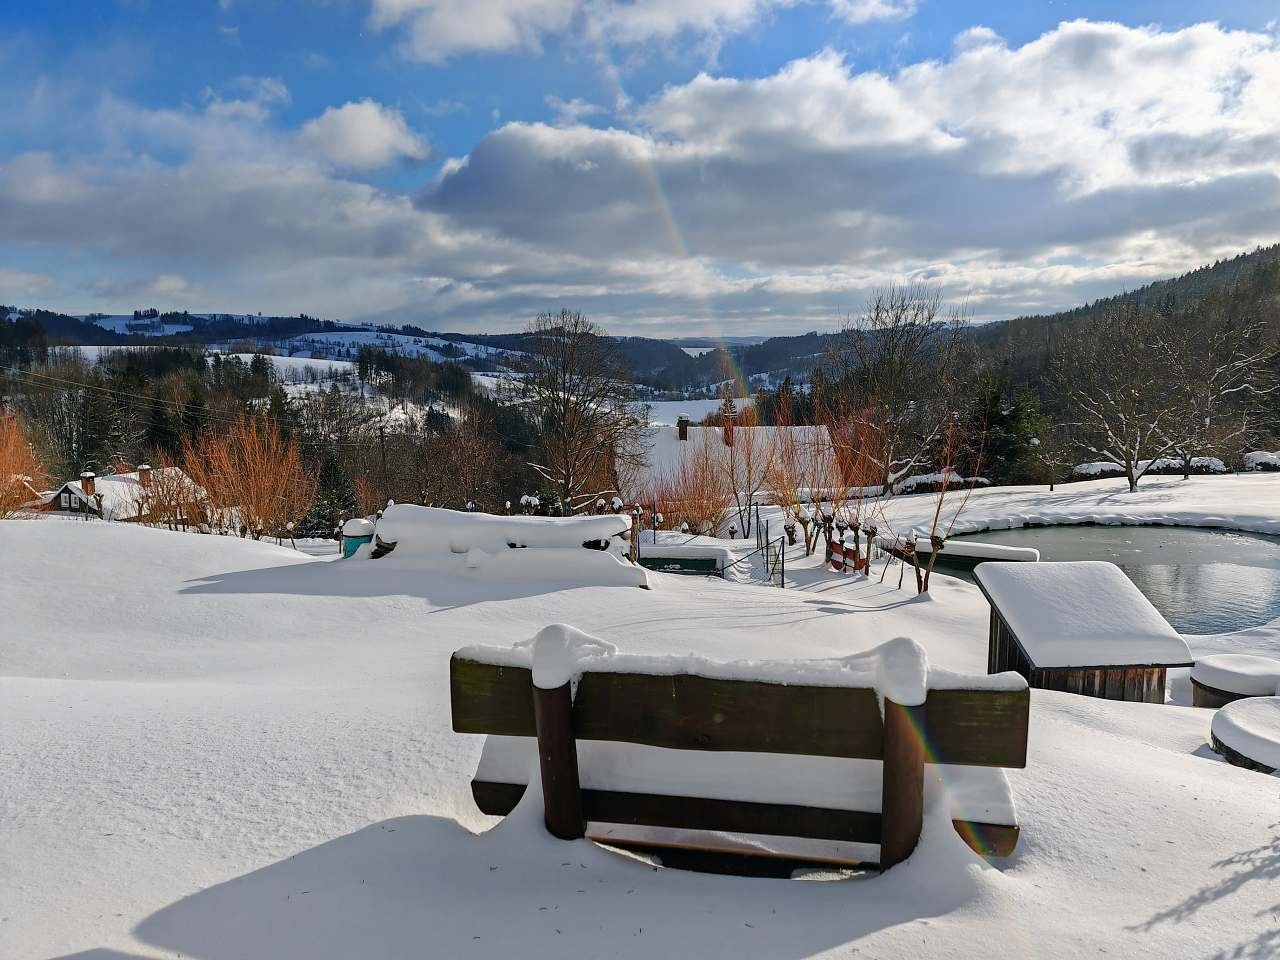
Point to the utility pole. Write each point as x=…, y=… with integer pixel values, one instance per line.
x=382, y=444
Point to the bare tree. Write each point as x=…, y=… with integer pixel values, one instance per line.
x=746, y=459
x=1051, y=449
x=1216, y=374
x=1111, y=371
x=889, y=362
x=802, y=468
x=575, y=386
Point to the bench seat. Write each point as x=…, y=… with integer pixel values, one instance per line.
x=812, y=795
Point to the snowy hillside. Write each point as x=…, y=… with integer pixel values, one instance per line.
x=348, y=344
x=128, y=324
x=229, y=749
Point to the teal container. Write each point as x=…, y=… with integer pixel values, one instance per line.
x=351, y=544
x=356, y=532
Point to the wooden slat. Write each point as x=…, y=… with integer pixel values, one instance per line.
x=977, y=727
x=729, y=816
x=699, y=813
x=696, y=713
x=486, y=698
x=986, y=728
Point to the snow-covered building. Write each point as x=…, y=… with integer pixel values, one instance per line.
x=125, y=497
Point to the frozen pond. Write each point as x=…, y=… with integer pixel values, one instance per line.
x=1202, y=580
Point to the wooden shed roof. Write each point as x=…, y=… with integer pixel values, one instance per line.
x=1080, y=614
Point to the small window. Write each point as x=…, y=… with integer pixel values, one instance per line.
x=66, y=500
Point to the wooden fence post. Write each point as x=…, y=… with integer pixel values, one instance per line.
x=902, y=791
x=558, y=759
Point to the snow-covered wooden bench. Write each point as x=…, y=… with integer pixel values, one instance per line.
x=1081, y=627
x=669, y=753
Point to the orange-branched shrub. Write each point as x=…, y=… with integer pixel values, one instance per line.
x=21, y=474
x=254, y=478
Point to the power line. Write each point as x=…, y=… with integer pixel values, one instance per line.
x=159, y=404
x=154, y=404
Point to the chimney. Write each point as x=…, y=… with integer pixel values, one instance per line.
x=728, y=431
x=682, y=427
x=87, y=483
x=144, y=474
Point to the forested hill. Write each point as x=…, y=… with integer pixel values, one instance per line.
x=1248, y=280
x=1176, y=293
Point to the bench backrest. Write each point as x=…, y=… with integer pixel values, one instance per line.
x=983, y=726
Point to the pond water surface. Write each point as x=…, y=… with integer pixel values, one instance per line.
x=1202, y=580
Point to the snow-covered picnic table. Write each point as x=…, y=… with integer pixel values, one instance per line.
x=1079, y=626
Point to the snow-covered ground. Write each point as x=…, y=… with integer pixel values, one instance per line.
x=297, y=369
x=122, y=323
x=231, y=749
x=1249, y=502
x=348, y=343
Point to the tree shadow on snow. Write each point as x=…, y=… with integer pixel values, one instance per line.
x=1259, y=864
x=424, y=886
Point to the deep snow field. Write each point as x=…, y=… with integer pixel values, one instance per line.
x=216, y=748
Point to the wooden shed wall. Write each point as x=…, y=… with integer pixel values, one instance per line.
x=1140, y=684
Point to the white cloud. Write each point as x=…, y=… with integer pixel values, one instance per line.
x=363, y=135
x=1092, y=158
x=436, y=30
x=572, y=111
x=864, y=11
x=439, y=29
x=23, y=283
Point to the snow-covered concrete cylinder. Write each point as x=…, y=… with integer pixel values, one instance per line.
x=355, y=533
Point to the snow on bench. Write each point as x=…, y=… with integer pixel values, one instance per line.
x=1080, y=626
x=739, y=758
x=511, y=549
x=424, y=529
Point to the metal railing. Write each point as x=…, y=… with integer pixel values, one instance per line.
x=774, y=555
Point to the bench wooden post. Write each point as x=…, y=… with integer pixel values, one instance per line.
x=902, y=786
x=558, y=759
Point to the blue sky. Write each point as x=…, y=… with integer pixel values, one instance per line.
x=704, y=166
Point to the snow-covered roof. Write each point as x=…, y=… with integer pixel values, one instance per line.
x=122, y=494
x=664, y=450
x=1080, y=614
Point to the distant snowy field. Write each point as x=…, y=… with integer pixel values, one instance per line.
x=228, y=749
x=432, y=348
x=295, y=369
x=664, y=413
x=120, y=325
x=697, y=351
